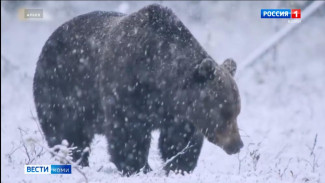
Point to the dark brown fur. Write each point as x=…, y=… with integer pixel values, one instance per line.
x=126, y=75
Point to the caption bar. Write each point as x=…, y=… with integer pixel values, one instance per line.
x=280, y=13
x=47, y=169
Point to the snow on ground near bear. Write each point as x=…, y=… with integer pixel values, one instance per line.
x=282, y=96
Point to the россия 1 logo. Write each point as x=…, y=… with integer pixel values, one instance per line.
x=47, y=169
x=280, y=13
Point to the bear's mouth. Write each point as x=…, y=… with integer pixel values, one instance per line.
x=233, y=148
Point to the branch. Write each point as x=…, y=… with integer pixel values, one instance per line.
x=74, y=165
x=178, y=154
x=314, y=145
x=35, y=119
x=9, y=155
x=25, y=148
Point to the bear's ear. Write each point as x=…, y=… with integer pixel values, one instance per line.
x=230, y=65
x=205, y=70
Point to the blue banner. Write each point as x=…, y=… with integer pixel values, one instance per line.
x=60, y=169
x=275, y=13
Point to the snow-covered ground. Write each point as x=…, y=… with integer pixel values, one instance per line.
x=283, y=94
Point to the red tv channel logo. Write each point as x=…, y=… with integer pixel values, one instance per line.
x=295, y=13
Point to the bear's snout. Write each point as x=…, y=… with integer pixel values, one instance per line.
x=228, y=139
x=234, y=147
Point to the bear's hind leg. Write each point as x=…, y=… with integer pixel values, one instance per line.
x=180, y=146
x=129, y=148
x=58, y=126
x=81, y=153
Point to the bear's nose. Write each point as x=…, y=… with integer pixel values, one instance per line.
x=234, y=147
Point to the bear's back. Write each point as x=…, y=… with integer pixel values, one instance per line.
x=70, y=54
x=77, y=37
x=65, y=79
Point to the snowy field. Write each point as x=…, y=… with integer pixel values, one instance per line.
x=282, y=121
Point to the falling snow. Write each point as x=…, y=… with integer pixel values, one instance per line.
x=283, y=100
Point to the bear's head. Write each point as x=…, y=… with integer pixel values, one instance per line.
x=216, y=104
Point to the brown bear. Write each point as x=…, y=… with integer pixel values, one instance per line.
x=124, y=76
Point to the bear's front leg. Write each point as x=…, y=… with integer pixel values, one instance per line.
x=180, y=145
x=128, y=145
